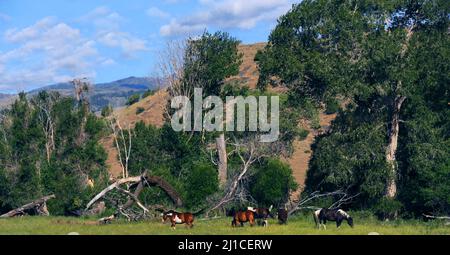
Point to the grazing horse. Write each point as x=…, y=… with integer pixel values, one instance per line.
x=242, y=216
x=178, y=218
x=262, y=214
x=282, y=216
x=322, y=215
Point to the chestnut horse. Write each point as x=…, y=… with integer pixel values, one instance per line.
x=242, y=216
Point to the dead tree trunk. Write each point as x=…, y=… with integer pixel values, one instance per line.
x=141, y=181
x=391, y=150
x=38, y=205
x=223, y=164
x=122, y=144
x=246, y=164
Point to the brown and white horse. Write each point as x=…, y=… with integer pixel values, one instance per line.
x=178, y=218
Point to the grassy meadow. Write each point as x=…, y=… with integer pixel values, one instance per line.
x=298, y=225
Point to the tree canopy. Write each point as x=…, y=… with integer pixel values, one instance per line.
x=387, y=62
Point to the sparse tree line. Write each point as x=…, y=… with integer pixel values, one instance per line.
x=382, y=66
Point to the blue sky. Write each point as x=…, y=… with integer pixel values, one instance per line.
x=49, y=41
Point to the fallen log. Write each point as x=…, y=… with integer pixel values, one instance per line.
x=135, y=198
x=436, y=217
x=111, y=187
x=106, y=220
x=141, y=181
x=39, y=205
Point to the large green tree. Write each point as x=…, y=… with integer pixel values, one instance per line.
x=383, y=60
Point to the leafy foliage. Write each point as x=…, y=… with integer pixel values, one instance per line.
x=272, y=183
x=30, y=171
x=133, y=99
x=370, y=54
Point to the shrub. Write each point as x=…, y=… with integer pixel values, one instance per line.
x=202, y=182
x=140, y=110
x=107, y=111
x=133, y=99
x=332, y=106
x=387, y=208
x=148, y=93
x=272, y=183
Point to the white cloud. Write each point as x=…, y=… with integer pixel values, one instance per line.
x=109, y=33
x=47, y=52
x=242, y=14
x=157, y=13
x=125, y=41
x=179, y=28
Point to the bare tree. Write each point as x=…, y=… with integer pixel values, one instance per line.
x=170, y=68
x=249, y=150
x=342, y=198
x=82, y=88
x=45, y=115
x=123, y=144
x=223, y=159
x=3, y=120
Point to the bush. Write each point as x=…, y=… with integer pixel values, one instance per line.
x=148, y=93
x=272, y=183
x=202, y=182
x=140, y=110
x=133, y=99
x=387, y=208
x=332, y=106
x=107, y=111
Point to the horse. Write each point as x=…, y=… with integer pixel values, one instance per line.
x=179, y=218
x=262, y=214
x=322, y=215
x=282, y=216
x=242, y=216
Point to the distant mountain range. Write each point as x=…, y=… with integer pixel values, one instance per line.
x=113, y=93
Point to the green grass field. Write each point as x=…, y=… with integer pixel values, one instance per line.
x=299, y=225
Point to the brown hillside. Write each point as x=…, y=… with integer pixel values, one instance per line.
x=249, y=70
x=154, y=110
x=299, y=159
x=153, y=114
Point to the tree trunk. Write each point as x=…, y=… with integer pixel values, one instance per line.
x=141, y=181
x=391, y=150
x=223, y=164
x=39, y=205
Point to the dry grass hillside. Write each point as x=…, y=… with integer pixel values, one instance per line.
x=154, y=109
x=153, y=114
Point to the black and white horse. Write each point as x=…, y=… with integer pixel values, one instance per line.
x=323, y=215
x=262, y=214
